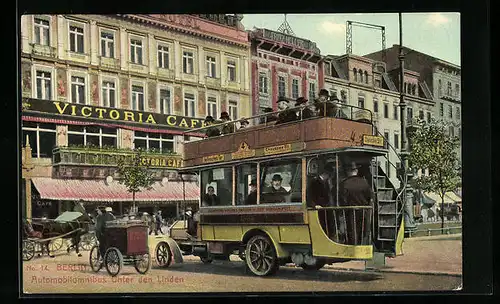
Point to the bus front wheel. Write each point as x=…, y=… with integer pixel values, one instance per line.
x=260, y=256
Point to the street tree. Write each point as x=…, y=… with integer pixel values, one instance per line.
x=432, y=148
x=135, y=175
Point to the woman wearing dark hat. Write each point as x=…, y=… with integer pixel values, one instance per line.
x=243, y=124
x=323, y=105
x=306, y=112
x=213, y=131
x=287, y=115
x=227, y=128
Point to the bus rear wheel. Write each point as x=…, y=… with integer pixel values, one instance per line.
x=261, y=257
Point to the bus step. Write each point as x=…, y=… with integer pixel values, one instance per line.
x=387, y=226
x=385, y=239
x=386, y=201
x=387, y=213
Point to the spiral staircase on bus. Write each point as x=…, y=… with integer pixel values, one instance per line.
x=389, y=206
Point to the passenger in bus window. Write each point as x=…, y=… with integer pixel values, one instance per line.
x=213, y=131
x=287, y=115
x=210, y=198
x=323, y=106
x=252, y=196
x=354, y=190
x=268, y=118
x=320, y=191
x=228, y=127
x=277, y=194
x=306, y=111
x=337, y=108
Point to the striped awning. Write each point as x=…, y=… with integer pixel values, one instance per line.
x=431, y=196
x=454, y=197
x=101, y=191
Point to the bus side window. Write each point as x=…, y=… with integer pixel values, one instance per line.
x=217, y=187
x=246, y=194
x=281, y=181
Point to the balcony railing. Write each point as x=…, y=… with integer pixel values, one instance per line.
x=110, y=62
x=90, y=156
x=44, y=50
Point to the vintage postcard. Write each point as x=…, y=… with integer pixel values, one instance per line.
x=241, y=153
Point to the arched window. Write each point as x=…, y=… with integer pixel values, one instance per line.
x=366, y=77
x=355, y=72
x=361, y=75
x=414, y=89
x=449, y=89
x=405, y=90
x=457, y=90
x=440, y=86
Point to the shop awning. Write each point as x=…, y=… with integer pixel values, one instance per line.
x=454, y=197
x=101, y=191
x=431, y=198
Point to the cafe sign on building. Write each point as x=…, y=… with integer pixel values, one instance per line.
x=112, y=115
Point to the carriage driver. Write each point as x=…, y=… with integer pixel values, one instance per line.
x=103, y=215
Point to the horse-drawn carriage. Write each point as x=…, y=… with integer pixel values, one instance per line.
x=125, y=242
x=42, y=234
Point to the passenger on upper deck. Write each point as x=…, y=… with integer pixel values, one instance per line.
x=306, y=111
x=228, y=127
x=337, y=108
x=210, y=198
x=323, y=106
x=243, y=124
x=268, y=118
x=287, y=115
x=214, y=131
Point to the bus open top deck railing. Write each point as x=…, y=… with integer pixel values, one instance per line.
x=347, y=127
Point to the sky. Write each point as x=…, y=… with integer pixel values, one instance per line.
x=435, y=34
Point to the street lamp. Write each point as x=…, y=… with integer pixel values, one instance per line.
x=406, y=175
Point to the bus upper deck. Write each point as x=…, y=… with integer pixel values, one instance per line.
x=343, y=126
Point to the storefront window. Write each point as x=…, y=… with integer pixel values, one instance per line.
x=92, y=136
x=42, y=138
x=154, y=141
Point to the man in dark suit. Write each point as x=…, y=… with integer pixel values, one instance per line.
x=286, y=114
x=210, y=198
x=268, y=118
x=354, y=190
x=276, y=193
x=213, y=131
x=323, y=105
x=306, y=111
x=227, y=128
x=252, y=196
x=320, y=189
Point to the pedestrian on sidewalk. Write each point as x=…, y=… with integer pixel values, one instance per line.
x=158, y=222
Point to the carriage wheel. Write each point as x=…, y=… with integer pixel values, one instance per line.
x=95, y=259
x=88, y=241
x=28, y=250
x=163, y=255
x=142, y=263
x=55, y=245
x=260, y=256
x=206, y=260
x=113, y=260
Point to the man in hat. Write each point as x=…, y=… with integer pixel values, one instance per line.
x=323, y=105
x=286, y=114
x=228, y=127
x=337, y=108
x=268, y=118
x=321, y=188
x=243, y=123
x=158, y=221
x=213, y=131
x=354, y=190
x=306, y=112
x=104, y=214
x=252, y=195
x=276, y=193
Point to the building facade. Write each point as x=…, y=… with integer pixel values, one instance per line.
x=282, y=66
x=366, y=83
x=127, y=81
x=439, y=78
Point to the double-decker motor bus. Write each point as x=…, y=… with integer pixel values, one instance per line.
x=260, y=195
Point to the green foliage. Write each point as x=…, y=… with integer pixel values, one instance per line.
x=134, y=175
x=433, y=149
